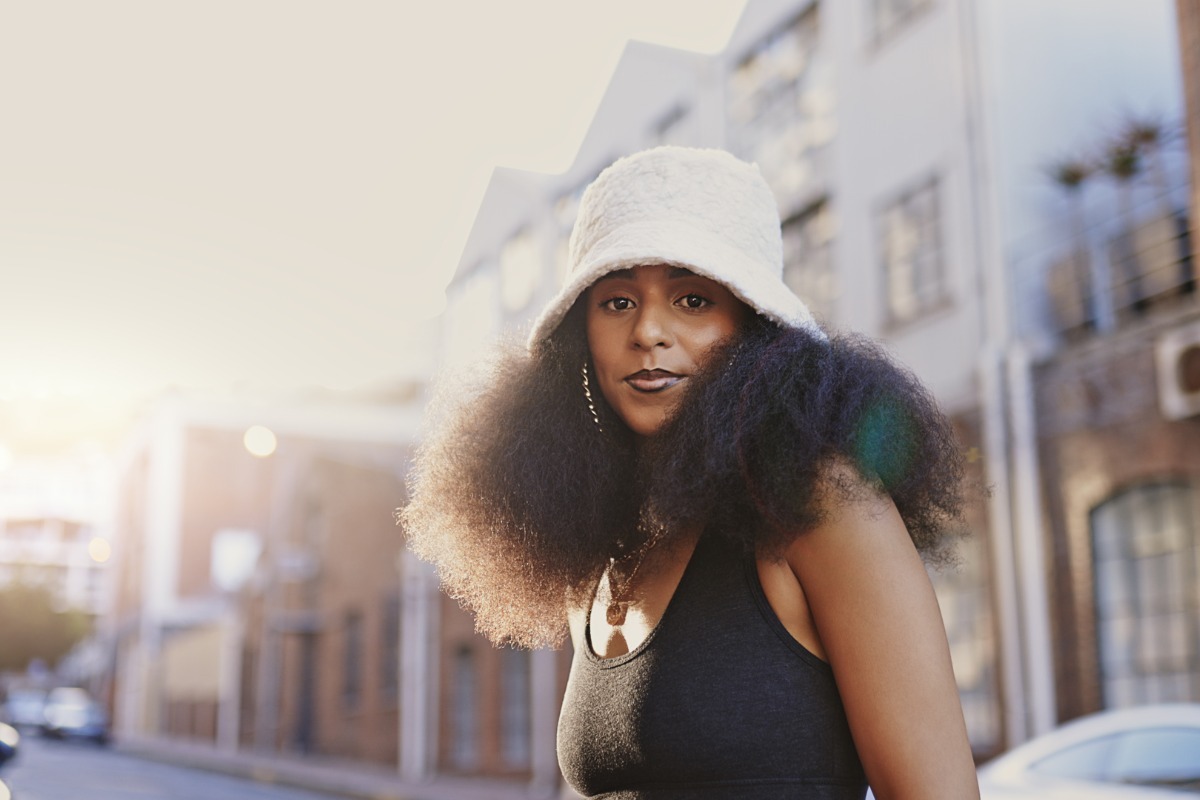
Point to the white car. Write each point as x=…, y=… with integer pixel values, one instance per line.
x=23, y=708
x=72, y=713
x=1144, y=753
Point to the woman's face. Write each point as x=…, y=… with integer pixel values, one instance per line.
x=648, y=330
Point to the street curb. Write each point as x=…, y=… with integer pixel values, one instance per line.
x=259, y=773
x=334, y=781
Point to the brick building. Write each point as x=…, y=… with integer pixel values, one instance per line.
x=258, y=590
x=1118, y=418
x=1122, y=487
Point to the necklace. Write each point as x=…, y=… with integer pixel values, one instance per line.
x=618, y=602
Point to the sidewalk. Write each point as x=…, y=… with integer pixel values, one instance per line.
x=342, y=778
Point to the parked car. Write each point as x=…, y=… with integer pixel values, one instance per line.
x=10, y=739
x=23, y=708
x=1144, y=753
x=71, y=712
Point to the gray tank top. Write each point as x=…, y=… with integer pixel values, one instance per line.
x=718, y=701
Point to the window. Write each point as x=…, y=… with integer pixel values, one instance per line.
x=965, y=600
x=1147, y=610
x=781, y=107
x=514, y=712
x=808, y=259
x=389, y=672
x=464, y=719
x=520, y=269
x=911, y=250
x=888, y=16
x=352, y=660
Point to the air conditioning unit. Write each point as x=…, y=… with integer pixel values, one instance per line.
x=1178, y=356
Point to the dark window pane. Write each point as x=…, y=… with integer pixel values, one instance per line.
x=515, y=710
x=352, y=659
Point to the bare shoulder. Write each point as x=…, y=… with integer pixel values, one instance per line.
x=878, y=619
x=858, y=521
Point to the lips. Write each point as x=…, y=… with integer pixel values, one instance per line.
x=653, y=380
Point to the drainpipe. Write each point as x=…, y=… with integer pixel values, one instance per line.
x=160, y=567
x=1007, y=412
x=1004, y=573
x=418, y=669
x=1030, y=543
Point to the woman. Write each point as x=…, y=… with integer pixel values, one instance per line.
x=726, y=506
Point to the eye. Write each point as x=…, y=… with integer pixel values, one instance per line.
x=617, y=304
x=694, y=300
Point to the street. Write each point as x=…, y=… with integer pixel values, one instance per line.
x=52, y=770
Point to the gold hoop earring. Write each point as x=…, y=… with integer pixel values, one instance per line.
x=587, y=393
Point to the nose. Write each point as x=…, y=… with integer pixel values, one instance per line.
x=652, y=328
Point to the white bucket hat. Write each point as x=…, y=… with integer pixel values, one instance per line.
x=696, y=208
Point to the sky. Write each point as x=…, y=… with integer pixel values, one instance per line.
x=272, y=195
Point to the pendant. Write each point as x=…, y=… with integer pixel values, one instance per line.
x=616, y=613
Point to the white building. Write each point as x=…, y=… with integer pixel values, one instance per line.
x=901, y=138
x=52, y=528
x=64, y=556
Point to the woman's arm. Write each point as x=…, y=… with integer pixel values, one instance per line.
x=879, y=623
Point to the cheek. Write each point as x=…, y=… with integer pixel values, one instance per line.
x=715, y=331
x=599, y=344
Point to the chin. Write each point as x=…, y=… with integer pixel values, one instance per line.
x=644, y=425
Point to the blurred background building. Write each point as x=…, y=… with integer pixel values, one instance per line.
x=914, y=149
x=55, y=565
x=966, y=180
x=257, y=598
x=63, y=555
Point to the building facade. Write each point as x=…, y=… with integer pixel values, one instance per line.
x=258, y=596
x=902, y=140
x=66, y=556
x=876, y=201
x=1117, y=378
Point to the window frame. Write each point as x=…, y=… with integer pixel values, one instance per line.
x=1127, y=593
x=465, y=733
x=352, y=662
x=516, y=718
x=928, y=302
x=823, y=308
x=760, y=136
x=389, y=663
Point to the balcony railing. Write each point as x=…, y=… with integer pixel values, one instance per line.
x=1077, y=284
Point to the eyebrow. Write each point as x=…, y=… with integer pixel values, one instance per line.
x=627, y=274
